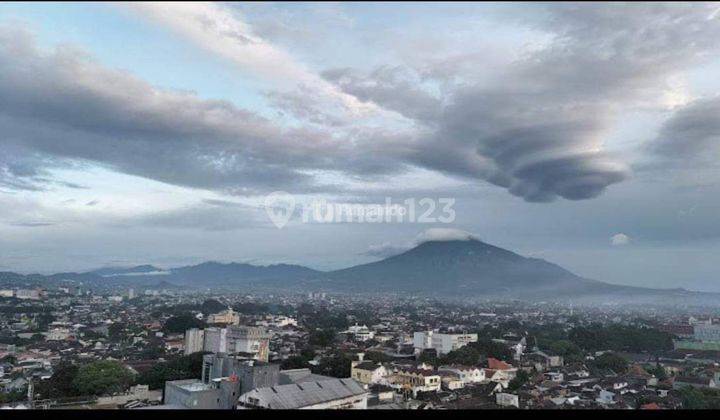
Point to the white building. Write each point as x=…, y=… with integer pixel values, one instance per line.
x=441, y=342
x=361, y=332
x=466, y=374
x=32, y=294
x=707, y=332
x=507, y=400
x=58, y=334
x=7, y=293
x=194, y=340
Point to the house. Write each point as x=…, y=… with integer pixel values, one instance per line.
x=605, y=397
x=368, y=372
x=467, y=374
x=697, y=382
x=417, y=380
x=450, y=380
x=507, y=400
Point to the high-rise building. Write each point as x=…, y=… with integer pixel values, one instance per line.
x=131, y=293
x=215, y=340
x=194, y=340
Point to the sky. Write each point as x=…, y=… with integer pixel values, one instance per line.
x=584, y=134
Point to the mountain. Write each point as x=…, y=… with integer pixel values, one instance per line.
x=233, y=274
x=474, y=268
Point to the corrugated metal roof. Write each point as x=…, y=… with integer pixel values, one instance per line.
x=305, y=394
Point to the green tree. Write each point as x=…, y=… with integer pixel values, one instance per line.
x=116, y=331
x=61, y=384
x=184, y=367
x=519, y=380
x=182, y=323
x=102, y=377
x=610, y=361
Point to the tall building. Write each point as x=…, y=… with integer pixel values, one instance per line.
x=131, y=293
x=251, y=341
x=194, y=340
x=215, y=340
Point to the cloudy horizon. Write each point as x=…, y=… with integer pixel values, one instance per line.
x=150, y=133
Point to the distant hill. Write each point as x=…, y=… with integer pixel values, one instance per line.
x=451, y=268
x=220, y=274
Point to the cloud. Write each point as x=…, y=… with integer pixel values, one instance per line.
x=384, y=250
x=92, y=203
x=222, y=31
x=535, y=128
x=444, y=234
x=619, y=239
x=538, y=127
x=31, y=224
x=62, y=106
x=691, y=134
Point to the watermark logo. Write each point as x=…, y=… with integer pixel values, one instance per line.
x=280, y=207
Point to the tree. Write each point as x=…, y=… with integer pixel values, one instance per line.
x=294, y=362
x=212, y=306
x=61, y=384
x=102, y=377
x=116, y=331
x=182, y=323
x=336, y=365
x=184, y=367
x=519, y=380
x=322, y=338
x=610, y=361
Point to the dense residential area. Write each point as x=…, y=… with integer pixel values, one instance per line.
x=76, y=347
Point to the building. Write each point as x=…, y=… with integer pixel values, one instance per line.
x=252, y=341
x=194, y=340
x=215, y=340
x=707, y=332
x=58, y=334
x=326, y=394
x=441, y=342
x=368, y=372
x=31, y=294
x=507, y=400
x=278, y=321
x=131, y=293
x=361, y=332
x=7, y=293
x=220, y=393
x=415, y=380
x=466, y=374
x=228, y=317
x=250, y=373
